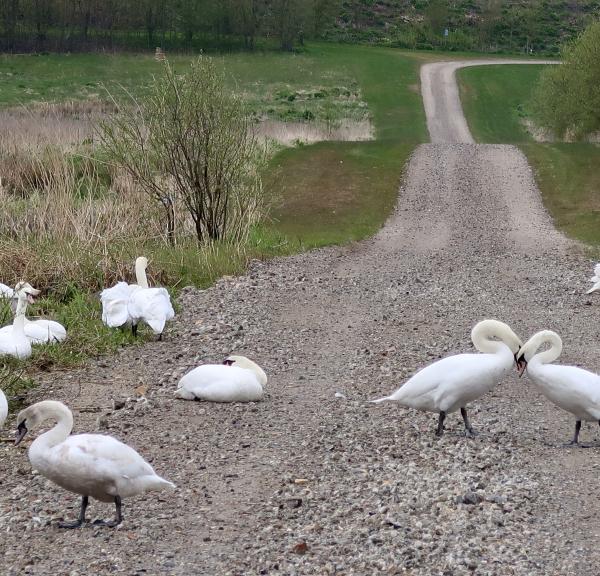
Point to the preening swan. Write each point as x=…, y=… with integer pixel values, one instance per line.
x=596, y=279
x=88, y=464
x=573, y=389
x=238, y=379
x=39, y=331
x=453, y=382
x=14, y=342
x=3, y=409
x=149, y=305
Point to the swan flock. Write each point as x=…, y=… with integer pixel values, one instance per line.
x=102, y=467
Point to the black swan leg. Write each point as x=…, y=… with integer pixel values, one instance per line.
x=118, y=516
x=575, y=441
x=134, y=330
x=81, y=520
x=440, y=428
x=470, y=433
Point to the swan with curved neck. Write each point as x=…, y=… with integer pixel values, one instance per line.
x=573, y=389
x=238, y=379
x=14, y=342
x=452, y=382
x=88, y=464
x=149, y=305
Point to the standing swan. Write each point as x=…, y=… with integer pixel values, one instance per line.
x=14, y=341
x=452, y=382
x=573, y=389
x=88, y=464
x=238, y=379
x=3, y=409
x=151, y=305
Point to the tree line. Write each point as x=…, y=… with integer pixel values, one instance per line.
x=74, y=25
x=486, y=25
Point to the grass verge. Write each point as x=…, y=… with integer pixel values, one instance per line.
x=327, y=193
x=495, y=99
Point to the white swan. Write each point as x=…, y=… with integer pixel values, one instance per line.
x=14, y=342
x=6, y=291
x=3, y=409
x=452, y=382
x=40, y=331
x=88, y=464
x=573, y=389
x=149, y=305
x=596, y=279
x=238, y=379
x=115, y=304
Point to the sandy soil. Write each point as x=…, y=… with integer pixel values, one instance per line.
x=308, y=482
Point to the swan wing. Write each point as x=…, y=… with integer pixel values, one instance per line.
x=100, y=466
x=450, y=381
x=153, y=306
x=220, y=383
x=571, y=388
x=115, y=303
x=13, y=346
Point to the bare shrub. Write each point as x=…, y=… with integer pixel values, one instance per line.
x=190, y=140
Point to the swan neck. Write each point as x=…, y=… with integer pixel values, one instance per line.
x=19, y=320
x=140, y=275
x=549, y=355
x=57, y=434
x=483, y=342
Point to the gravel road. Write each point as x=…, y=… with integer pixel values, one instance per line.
x=308, y=482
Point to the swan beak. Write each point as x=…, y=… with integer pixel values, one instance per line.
x=21, y=431
x=30, y=299
x=521, y=366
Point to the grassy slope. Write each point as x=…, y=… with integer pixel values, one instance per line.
x=327, y=193
x=567, y=173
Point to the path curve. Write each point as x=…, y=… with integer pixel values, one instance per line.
x=445, y=119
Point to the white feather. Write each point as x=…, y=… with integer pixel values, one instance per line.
x=453, y=382
x=115, y=304
x=3, y=409
x=152, y=306
x=241, y=382
x=6, y=291
x=87, y=464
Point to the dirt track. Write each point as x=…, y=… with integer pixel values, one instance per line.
x=379, y=494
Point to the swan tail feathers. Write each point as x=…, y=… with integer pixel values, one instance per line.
x=184, y=393
x=594, y=288
x=380, y=400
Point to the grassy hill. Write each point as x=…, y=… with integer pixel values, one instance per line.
x=537, y=26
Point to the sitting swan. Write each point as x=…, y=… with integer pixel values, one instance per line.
x=596, y=279
x=40, y=331
x=88, y=464
x=14, y=342
x=3, y=409
x=6, y=291
x=570, y=388
x=452, y=382
x=238, y=379
x=150, y=305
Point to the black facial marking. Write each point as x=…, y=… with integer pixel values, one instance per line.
x=21, y=431
x=228, y=362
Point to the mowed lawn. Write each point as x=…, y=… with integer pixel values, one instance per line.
x=495, y=98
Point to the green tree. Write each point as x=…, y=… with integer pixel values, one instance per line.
x=567, y=98
x=436, y=15
x=190, y=141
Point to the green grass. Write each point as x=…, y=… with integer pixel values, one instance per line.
x=327, y=193
x=495, y=99
x=568, y=175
